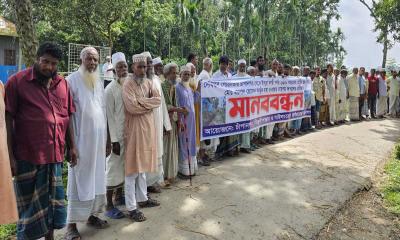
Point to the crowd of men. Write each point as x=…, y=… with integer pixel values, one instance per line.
x=142, y=131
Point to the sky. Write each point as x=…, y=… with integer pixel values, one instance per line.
x=360, y=39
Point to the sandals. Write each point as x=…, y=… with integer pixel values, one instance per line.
x=114, y=213
x=97, y=222
x=136, y=216
x=72, y=235
x=149, y=203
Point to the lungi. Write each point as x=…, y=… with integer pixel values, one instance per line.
x=393, y=105
x=354, y=110
x=382, y=106
x=40, y=199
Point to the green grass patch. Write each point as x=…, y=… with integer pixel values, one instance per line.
x=7, y=231
x=391, y=187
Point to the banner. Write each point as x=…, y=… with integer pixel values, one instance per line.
x=239, y=105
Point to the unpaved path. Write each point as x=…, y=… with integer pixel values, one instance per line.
x=286, y=191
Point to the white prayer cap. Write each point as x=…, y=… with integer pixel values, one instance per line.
x=139, y=58
x=108, y=57
x=185, y=68
x=118, y=57
x=296, y=67
x=87, y=50
x=157, y=60
x=146, y=54
x=242, y=61
x=250, y=68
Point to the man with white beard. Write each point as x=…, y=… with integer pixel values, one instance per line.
x=86, y=180
x=161, y=121
x=115, y=167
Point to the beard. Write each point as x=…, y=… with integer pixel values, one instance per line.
x=43, y=79
x=89, y=78
x=261, y=68
x=137, y=79
x=121, y=80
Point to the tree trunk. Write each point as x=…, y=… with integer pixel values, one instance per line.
x=25, y=30
x=385, y=49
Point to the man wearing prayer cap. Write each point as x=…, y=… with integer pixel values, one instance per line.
x=87, y=180
x=107, y=71
x=186, y=98
x=140, y=97
x=161, y=121
x=241, y=72
x=115, y=165
x=245, y=138
x=158, y=68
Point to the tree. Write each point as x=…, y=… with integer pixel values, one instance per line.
x=25, y=29
x=381, y=26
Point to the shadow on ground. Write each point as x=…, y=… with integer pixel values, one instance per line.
x=288, y=190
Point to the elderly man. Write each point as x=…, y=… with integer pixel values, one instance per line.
x=162, y=123
x=393, y=82
x=342, y=96
x=107, y=71
x=186, y=98
x=354, y=95
x=140, y=97
x=245, y=138
x=171, y=154
x=115, y=167
x=228, y=145
x=208, y=147
x=38, y=107
x=251, y=71
x=318, y=85
x=331, y=89
x=86, y=180
x=382, y=103
x=158, y=68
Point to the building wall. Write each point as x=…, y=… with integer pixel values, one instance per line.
x=8, y=43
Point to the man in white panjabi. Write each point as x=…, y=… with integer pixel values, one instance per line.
x=342, y=96
x=330, y=83
x=115, y=165
x=161, y=121
x=159, y=68
x=208, y=147
x=86, y=181
x=107, y=71
x=382, y=107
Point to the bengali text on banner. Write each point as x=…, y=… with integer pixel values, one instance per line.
x=239, y=105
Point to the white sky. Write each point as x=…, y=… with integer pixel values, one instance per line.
x=360, y=43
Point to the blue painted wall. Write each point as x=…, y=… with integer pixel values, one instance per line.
x=7, y=71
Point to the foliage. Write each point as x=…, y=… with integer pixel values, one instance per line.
x=389, y=13
x=391, y=189
x=294, y=31
x=7, y=230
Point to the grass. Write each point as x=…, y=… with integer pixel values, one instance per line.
x=9, y=230
x=391, y=187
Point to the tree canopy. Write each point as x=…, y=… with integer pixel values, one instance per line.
x=294, y=31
